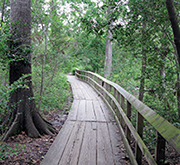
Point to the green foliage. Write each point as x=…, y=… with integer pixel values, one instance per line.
x=56, y=88
x=5, y=91
x=55, y=95
x=4, y=48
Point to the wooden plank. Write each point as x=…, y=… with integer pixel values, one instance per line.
x=87, y=96
x=81, y=110
x=74, y=110
x=107, y=113
x=56, y=150
x=98, y=111
x=104, y=146
x=117, y=145
x=90, y=115
x=72, y=150
x=88, y=150
x=78, y=94
x=89, y=92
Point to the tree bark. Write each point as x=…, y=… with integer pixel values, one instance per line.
x=23, y=115
x=174, y=25
x=108, y=55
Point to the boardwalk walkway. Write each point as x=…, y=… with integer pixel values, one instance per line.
x=89, y=135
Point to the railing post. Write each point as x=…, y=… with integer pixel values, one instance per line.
x=128, y=113
x=105, y=87
x=139, y=128
x=114, y=94
x=160, y=150
x=110, y=89
x=122, y=106
x=119, y=101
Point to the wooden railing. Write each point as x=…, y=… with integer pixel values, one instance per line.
x=121, y=103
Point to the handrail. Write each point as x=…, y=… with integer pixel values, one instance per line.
x=112, y=94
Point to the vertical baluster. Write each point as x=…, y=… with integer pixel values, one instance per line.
x=110, y=89
x=160, y=150
x=128, y=113
x=106, y=87
x=139, y=128
x=119, y=101
x=114, y=94
x=122, y=106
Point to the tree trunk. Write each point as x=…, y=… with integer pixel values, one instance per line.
x=23, y=115
x=108, y=55
x=176, y=32
x=143, y=69
x=43, y=74
x=174, y=25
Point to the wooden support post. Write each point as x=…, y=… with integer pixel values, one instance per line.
x=110, y=88
x=114, y=94
x=139, y=128
x=122, y=106
x=128, y=113
x=118, y=97
x=160, y=150
x=119, y=101
x=105, y=86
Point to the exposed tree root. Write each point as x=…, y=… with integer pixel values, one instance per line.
x=34, y=127
x=24, y=117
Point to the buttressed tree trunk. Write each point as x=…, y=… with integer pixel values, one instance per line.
x=23, y=115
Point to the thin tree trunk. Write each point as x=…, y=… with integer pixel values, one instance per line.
x=108, y=55
x=97, y=50
x=140, y=123
x=42, y=74
x=176, y=32
x=175, y=25
x=142, y=81
x=43, y=63
x=178, y=93
x=143, y=68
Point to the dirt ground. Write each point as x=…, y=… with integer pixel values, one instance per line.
x=23, y=150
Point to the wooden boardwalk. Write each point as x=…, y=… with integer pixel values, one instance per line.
x=89, y=135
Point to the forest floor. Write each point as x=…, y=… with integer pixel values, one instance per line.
x=23, y=150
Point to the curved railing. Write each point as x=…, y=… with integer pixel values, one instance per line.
x=121, y=103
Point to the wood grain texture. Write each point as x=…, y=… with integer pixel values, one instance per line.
x=89, y=135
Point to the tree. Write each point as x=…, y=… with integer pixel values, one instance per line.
x=22, y=114
x=174, y=24
x=108, y=52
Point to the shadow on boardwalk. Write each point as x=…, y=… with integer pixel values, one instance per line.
x=89, y=135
